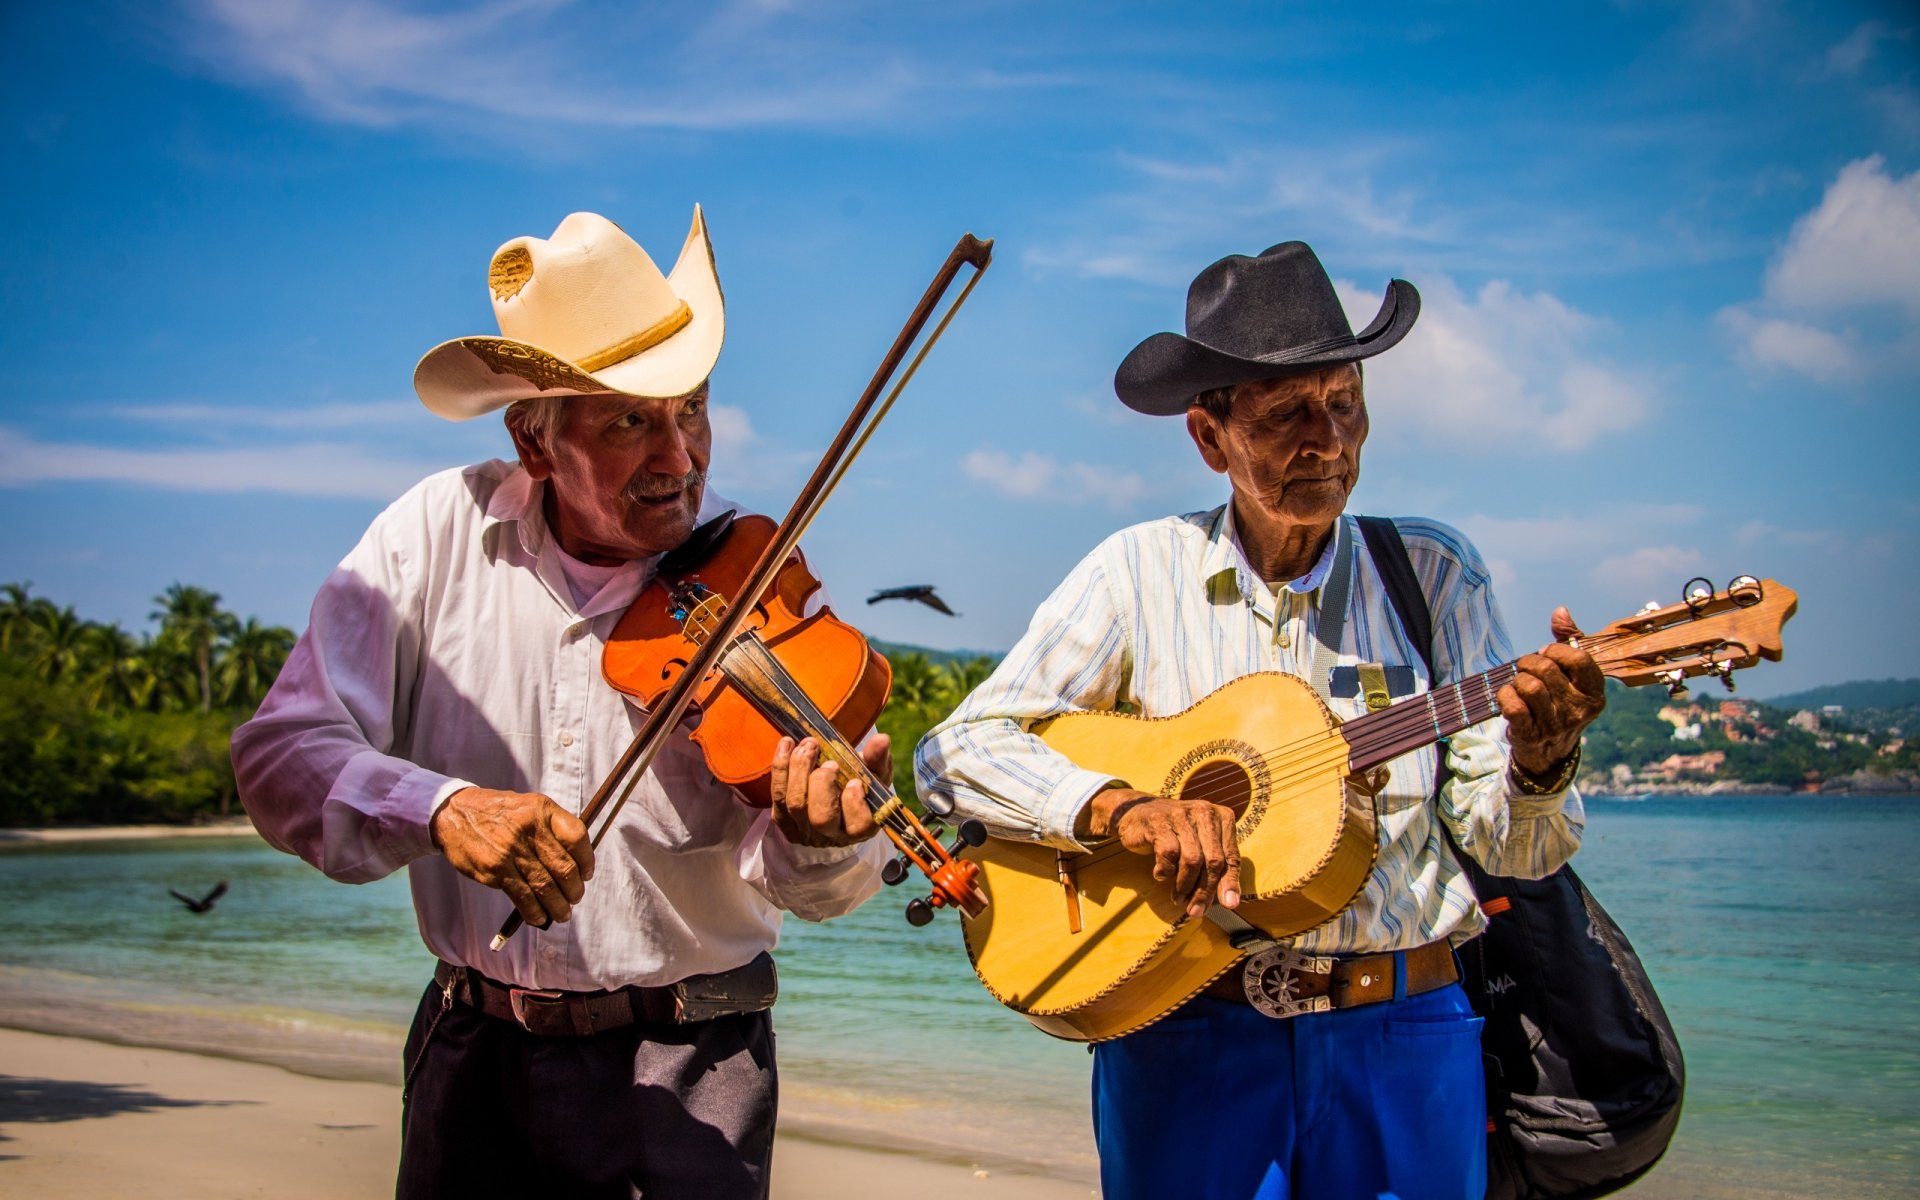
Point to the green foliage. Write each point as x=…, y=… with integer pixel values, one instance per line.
x=1630, y=731
x=923, y=694
x=100, y=726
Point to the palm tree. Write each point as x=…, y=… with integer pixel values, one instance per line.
x=18, y=612
x=64, y=643
x=193, y=617
x=916, y=684
x=253, y=656
x=961, y=676
x=122, y=670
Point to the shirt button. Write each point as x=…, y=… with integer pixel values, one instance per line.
x=576, y=629
x=1282, y=640
x=566, y=739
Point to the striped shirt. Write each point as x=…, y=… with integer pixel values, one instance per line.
x=1162, y=614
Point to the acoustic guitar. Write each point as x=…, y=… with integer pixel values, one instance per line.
x=1089, y=946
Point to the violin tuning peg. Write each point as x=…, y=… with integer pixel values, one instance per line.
x=895, y=871
x=972, y=833
x=919, y=911
x=938, y=805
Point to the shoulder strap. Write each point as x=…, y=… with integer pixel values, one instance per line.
x=1390, y=558
x=1389, y=554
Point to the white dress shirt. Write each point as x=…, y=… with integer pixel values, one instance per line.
x=448, y=650
x=1162, y=614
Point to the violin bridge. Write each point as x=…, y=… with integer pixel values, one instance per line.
x=1072, y=889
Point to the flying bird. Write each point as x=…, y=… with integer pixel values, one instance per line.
x=205, y=904
x=923, y=592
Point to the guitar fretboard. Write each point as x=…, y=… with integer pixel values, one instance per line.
x=1421, y=720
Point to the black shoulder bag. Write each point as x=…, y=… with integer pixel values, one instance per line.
x=1584, y=1075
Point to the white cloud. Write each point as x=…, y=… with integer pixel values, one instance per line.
x=1853, y=52
x=559, y=63
x=1500, y=365
x=1856, y=253
x=1656, y=570
x=1861, y=246
x=318, y=416
x=1792, y=345
x=1035, y=476
x=316, y=469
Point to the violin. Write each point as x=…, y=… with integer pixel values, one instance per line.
x=716, y=655
x=786, y=673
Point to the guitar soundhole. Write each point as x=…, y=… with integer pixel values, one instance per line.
x=1223, y=782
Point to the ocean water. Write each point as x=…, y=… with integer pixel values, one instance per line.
x=1780, y=932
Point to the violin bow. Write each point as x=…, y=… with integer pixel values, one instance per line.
x=666, y=714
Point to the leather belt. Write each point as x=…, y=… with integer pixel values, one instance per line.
x=1284, y=982
x=550, y=1013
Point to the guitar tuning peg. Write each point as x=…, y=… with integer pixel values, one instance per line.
x=1697, y=594
x=1676, y=681
x=1745, y=591
x=1724, y=669
x=1651, y=606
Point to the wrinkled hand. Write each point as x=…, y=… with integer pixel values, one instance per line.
x=521, y=843
x=1192, y=842
x=810, y=806
x=1557, y=693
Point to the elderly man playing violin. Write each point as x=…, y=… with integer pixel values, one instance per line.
x=445, y=711
x=1379, y=1092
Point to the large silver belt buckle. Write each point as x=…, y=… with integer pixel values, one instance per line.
x=1270, y=976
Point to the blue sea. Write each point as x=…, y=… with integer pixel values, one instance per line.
x=1779, y=930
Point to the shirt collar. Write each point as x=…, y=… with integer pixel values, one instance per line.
x=1225, y=563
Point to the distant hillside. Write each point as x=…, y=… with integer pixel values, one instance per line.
x=1865, y=693
x=936, y=657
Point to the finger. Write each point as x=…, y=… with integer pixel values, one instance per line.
x=777, y=781
x=856, y=815
x=877, y=753
x=1514, y=709
x=1230, y=879
x=1563, y=625
x=546, y=892
x=1192, y=863
x=1583, y=674
x=531, y=911
x=1213, y=866
x=823, y=801
x=571, y=832
x=1166, y=851
x=559, y=866
x=800, y=764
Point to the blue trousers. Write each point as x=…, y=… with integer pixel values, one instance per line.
x=1221, y=1103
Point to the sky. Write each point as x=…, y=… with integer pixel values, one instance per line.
x=1669, y=256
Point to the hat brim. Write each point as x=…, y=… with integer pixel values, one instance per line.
x=471, y=376
x=1162, y=375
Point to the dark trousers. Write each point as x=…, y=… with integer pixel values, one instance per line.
x=660, y=1112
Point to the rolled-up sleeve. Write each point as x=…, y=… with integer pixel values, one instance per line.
x=314, y=765
x=1074, y=656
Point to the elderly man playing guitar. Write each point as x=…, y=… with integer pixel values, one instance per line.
x=446, y=711
x=1374, y=1093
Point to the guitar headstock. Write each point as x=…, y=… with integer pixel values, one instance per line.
x=1708, y=633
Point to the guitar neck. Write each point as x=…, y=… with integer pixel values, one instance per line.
x=1422, y=720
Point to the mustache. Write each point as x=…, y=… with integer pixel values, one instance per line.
x=652, y=487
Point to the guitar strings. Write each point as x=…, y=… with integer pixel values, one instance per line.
x=1379, y=730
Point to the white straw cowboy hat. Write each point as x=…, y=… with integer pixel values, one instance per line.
x=583, y=311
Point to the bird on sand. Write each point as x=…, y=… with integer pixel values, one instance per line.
x=205, y=903
x=923, y=592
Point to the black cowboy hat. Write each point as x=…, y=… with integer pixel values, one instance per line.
x=1257, y=318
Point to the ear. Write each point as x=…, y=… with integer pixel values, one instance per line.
x=1207, y=435
x=533, y=455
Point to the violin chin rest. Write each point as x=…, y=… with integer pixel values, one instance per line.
x=699, y=542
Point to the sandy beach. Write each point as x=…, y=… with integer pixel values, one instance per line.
x=81, y=1118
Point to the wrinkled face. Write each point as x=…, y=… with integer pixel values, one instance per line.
x=1291, y=447
x=624, y=474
